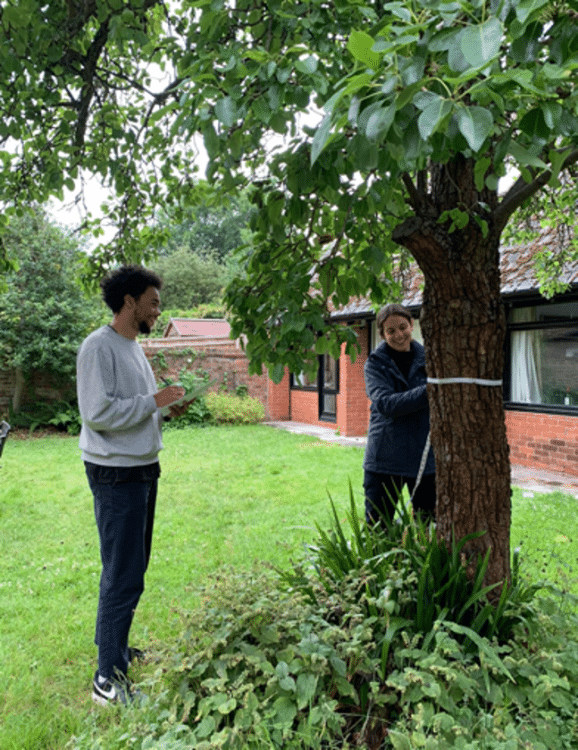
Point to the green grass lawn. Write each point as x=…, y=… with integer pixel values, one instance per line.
x=229, y=497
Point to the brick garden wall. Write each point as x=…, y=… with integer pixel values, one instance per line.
x=39, y=387
x=220, y=359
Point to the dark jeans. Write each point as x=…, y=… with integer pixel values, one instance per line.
x=124, y=508
x=382, y=491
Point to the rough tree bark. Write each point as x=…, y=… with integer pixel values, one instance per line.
x=463, y=325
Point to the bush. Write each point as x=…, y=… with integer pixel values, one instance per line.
x=227, y=408
x=198, y=412
x=264, y=668
x=64, y=415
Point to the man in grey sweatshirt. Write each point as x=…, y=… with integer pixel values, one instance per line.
x=120, y=441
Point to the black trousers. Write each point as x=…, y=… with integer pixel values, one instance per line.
x=383, y=490
x=124, y=512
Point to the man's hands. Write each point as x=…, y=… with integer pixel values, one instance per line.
x=168, y=396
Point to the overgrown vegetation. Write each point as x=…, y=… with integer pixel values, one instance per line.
x=261, y=665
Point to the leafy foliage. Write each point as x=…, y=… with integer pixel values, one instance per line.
x=44, y=314
x=229, y=408
x=211, y=230
x=64, y=415
x=190, y=280
x=412, y=577
x=348, y=105
x=259, y=667
x=198, y=412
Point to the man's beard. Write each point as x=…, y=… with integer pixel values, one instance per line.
x=144, y=327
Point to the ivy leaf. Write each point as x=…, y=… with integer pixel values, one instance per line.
x=475, y=124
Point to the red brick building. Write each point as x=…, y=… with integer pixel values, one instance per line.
x=540, y=378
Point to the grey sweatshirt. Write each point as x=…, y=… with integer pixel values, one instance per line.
x=121, y=424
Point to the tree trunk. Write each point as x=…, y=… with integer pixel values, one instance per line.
x=463, y=326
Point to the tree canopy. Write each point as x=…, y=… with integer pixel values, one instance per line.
x=122, y=89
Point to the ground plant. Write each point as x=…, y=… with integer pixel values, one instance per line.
x=237, y=657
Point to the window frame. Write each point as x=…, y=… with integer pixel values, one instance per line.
x=532, y=302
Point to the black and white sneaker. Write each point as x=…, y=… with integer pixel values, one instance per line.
x=108, y=691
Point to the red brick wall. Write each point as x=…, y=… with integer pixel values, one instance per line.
x=228, y=364
x=548, y=441
x=352, y=402
x=279, y=397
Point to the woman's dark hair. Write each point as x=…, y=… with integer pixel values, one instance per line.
x=391, y=309
x=133, y=280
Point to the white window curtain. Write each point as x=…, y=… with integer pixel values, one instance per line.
x=526, y=364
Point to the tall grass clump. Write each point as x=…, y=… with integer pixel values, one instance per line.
x=420, y=579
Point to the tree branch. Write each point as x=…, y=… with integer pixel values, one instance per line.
x=522, y=190
x=415, y=199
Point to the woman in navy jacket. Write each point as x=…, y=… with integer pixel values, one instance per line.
x=395, y=382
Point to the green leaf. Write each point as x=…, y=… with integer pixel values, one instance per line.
x=475, y=124
x=320, y=138
x=379, y=122
x=226, y=111
x=433, y=116
x=482, y=166
x=285, y=711
x=525, y=8
x=481, y=44
x=360, y=46
x=524, y=157
x=306, y=687
x=308, y=66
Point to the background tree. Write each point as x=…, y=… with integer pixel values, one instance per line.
x=212, y=230
x=425, y=104
x=190, y=280
x=44, y=314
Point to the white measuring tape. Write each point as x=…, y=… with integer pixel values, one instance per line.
x=475, y=381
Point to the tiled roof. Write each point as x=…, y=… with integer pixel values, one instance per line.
x=516, y=268
x=210, y=327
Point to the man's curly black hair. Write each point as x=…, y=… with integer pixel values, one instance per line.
x=132, y=279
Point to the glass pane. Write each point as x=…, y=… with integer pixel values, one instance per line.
x=329, y=403
x=300, y=380
x=330, y=373
x=559, y=312
x=545, y=366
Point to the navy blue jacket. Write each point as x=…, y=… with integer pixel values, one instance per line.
x=399, y=416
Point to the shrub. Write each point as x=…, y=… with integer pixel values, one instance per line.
x=198, y=412
x=264, y=668
x=63, y=415
x=226, y=408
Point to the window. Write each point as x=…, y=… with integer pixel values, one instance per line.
x=328, y=387
x=544, y=355
x=326, y=384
